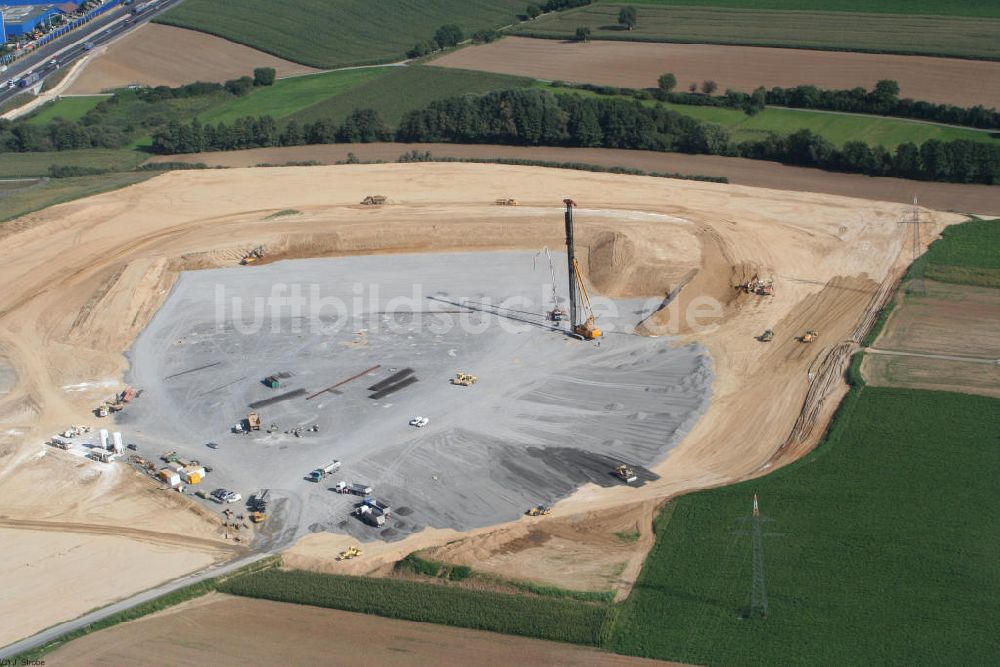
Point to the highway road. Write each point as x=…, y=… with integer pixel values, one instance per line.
x=71, y=46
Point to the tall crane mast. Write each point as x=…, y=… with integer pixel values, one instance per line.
x=588, y=328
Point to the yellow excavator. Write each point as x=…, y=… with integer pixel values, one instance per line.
x=589, y=328
x=349, y=553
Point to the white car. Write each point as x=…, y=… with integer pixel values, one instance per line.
x=419, y=422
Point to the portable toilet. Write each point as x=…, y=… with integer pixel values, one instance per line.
x=117, y=443
x=103, y=438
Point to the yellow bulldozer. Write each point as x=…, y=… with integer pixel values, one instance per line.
x=258, y=517
x=464, y=380
x=809, y=336
x=349, y=553
x=539, y=510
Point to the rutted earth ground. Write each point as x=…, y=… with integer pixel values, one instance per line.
x=85, y=278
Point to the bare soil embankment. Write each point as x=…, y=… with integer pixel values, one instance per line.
x=981, y=199
x=639, y=65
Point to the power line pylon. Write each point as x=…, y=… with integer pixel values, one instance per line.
x=917, y=284
x=758, y=591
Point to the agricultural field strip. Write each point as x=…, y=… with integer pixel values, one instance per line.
x=981, y=8
x=942, y=36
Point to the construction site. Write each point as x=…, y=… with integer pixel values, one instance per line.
x=424, y=369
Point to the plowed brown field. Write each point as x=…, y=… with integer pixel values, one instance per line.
x=638, y=65
x=160, y=55
x=223, y=630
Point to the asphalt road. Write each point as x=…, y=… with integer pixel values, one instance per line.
x=70, y=47
x=53, y=633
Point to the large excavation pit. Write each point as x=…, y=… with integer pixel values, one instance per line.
x=548, y=414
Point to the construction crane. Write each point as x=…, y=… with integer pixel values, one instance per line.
x=588, y=329
x=556, y=314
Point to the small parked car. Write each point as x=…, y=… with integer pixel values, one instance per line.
x=419, y=422
x=212, y=445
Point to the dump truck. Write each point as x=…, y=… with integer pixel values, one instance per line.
x=464, y=380
x=355, y=489
x=626, y=474
x=539, y=510
x=319, y=474
x=253, y=421
x=373, y=200
x=766, y=337
x=370, y=516
x=377, y=505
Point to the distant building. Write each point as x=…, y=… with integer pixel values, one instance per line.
x=21, y=19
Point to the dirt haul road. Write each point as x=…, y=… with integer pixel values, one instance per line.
x=82, y=279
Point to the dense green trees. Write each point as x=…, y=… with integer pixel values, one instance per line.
x=667, y=82
x=883, y=100
x=448, y=35
x=628, y=17
x=264, y=76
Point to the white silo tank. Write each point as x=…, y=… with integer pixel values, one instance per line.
x=119, y=446
x=103, y=434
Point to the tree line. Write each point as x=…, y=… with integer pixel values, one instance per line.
x=532, y=117
x=882, y=100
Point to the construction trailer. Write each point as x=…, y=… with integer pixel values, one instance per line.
x=102, y=455
x=272, y=382
x=587, y=328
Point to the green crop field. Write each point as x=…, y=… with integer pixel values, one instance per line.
x=407, y=88
x=289, y=96
x=552, y=618
x=843, y=31
x=880, y=548
x=337, y=33
x=967, y=254
x=986, y=8
x=16, y=165
x=67, y=108
x=34, y=197
x=838, y=128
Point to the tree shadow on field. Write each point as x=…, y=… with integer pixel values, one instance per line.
x=691, y=597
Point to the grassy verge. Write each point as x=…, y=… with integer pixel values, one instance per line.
x=67, y=108
x=545, y=618
x=983, y=8
x=338, y=33
x=16, y=203
x=863, y=564
x=959, y=37
x=158, y=604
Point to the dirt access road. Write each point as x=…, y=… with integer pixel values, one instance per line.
x=639, y=65
x=160, y=55
x=225, y=630
x=980, y=199
x=83, y=278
